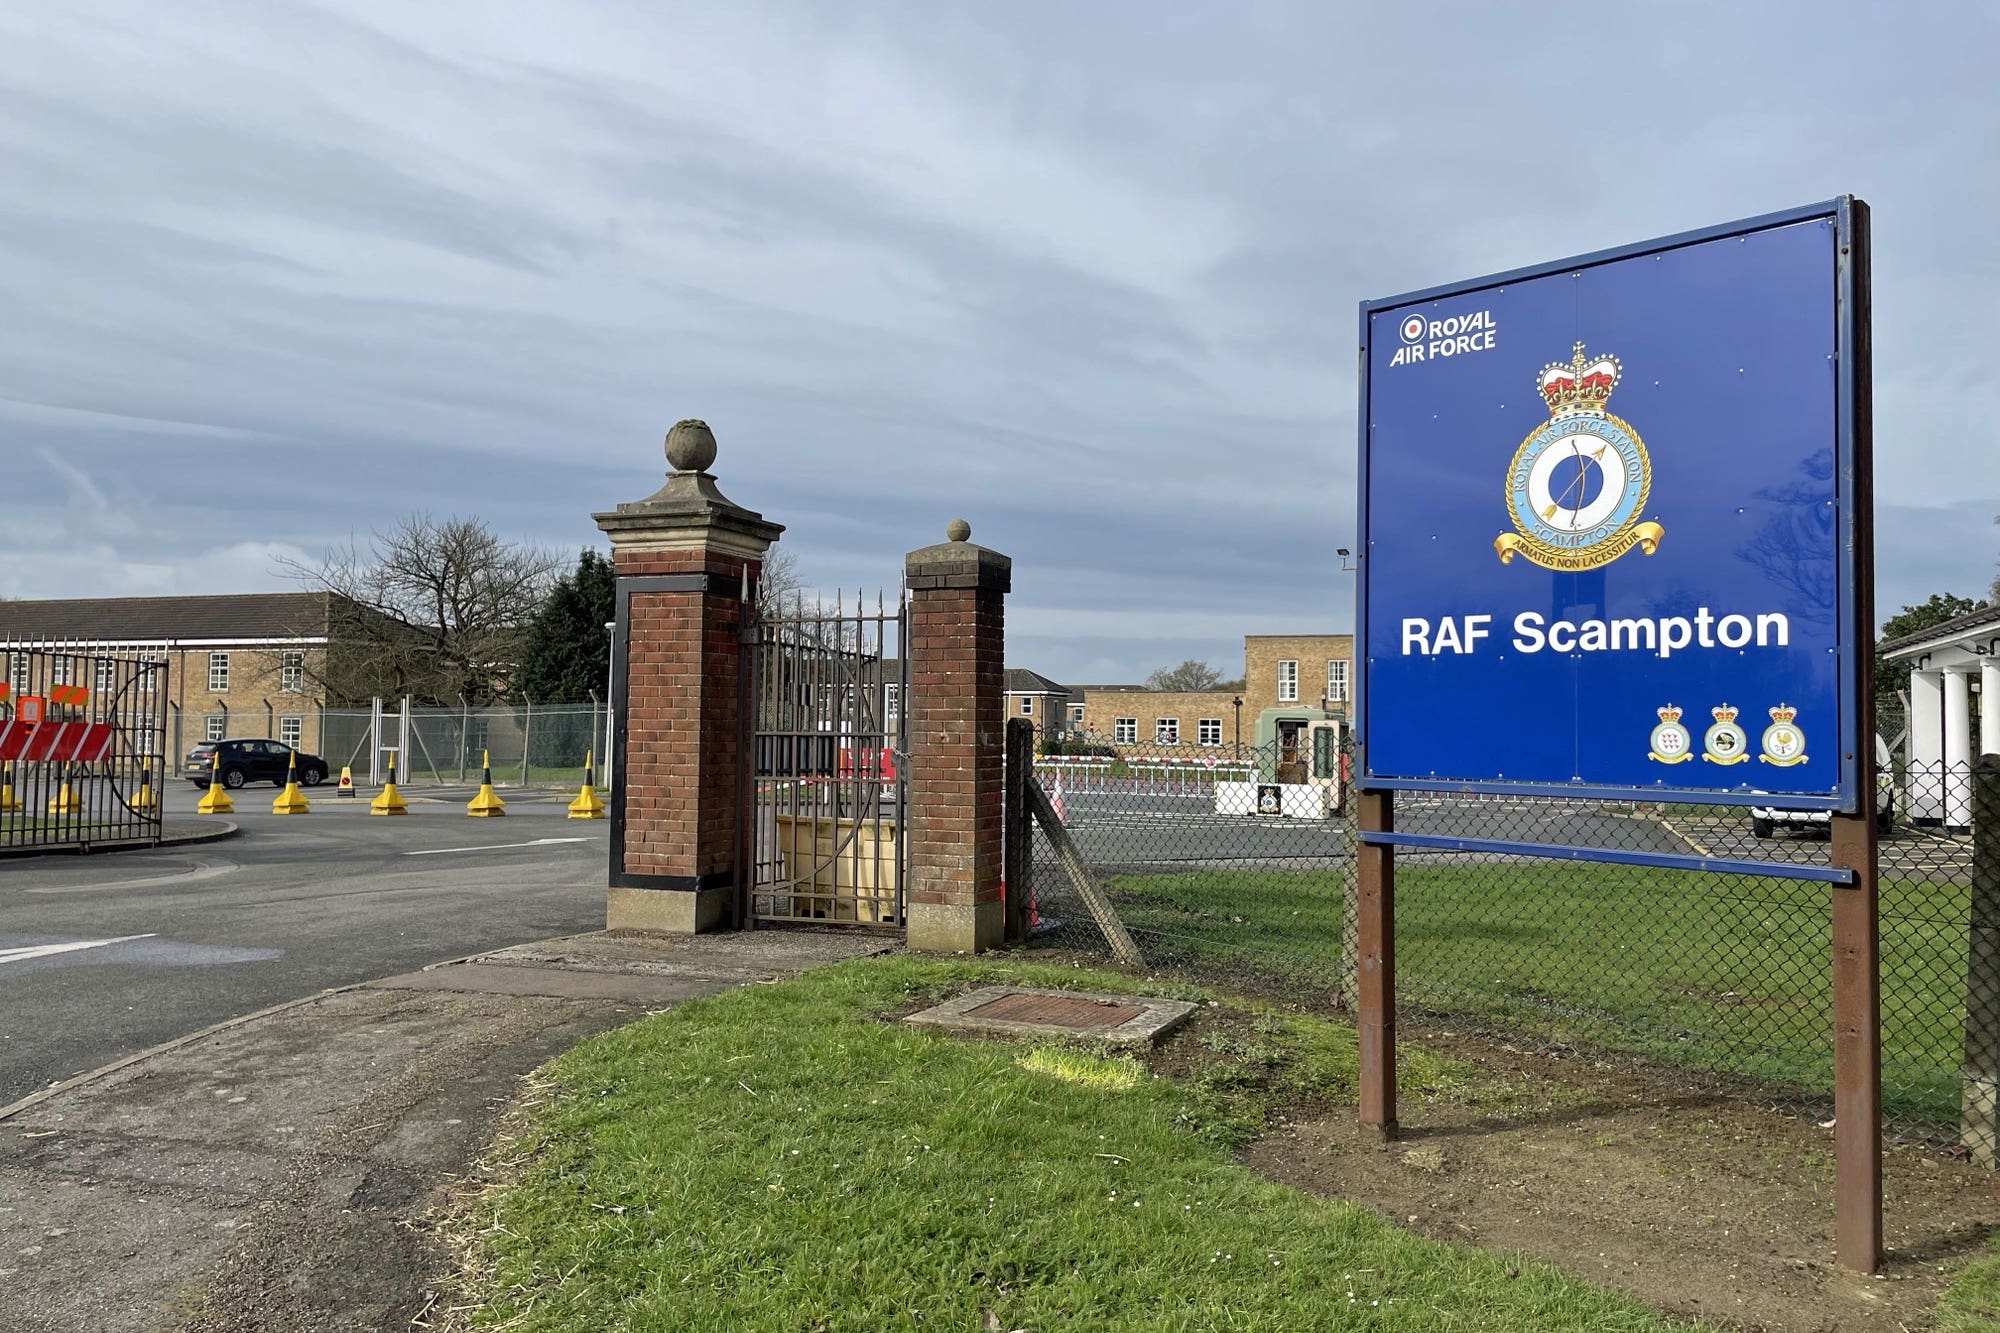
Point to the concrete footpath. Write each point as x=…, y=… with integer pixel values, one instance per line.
x=260, y=1175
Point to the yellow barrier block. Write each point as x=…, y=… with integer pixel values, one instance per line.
x=291, y=801
x=486, y=803
x=587, y=805
x=217, y=801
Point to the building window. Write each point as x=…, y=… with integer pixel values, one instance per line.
x=17, y=672
x=212, y=726
x=1125, y=731
x=1167, y=730
x=1027, y=705
x=1336, y=680
x=292, y=672
x=106, y=668
x=1076, y=717
x=892, y=700
x=290, y=729
x=1209, y=731
x=59, y=671
x=1288, y=681
x=218, y=673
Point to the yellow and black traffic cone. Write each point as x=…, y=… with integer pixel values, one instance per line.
x=217, y=801
x=65, y=801
x=10, y=804
x=586, y=805
x=147, y=801
x=291, y=801
x=345, y=788
x=389, y=801
x=487, y=803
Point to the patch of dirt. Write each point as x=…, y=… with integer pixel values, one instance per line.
x=1698, y=1205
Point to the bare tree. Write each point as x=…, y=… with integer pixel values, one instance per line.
x=436, y=609
x=780, y=581
x=1190, y=676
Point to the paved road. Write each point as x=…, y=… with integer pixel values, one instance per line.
x=102, y=956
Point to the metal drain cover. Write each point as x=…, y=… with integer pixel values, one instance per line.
x=1121, y=1020
x=1063, y=1011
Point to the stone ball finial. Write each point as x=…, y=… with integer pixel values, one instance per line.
x=691, y=446
x=957, y=530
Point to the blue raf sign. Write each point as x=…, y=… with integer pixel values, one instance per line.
x=1606, y=508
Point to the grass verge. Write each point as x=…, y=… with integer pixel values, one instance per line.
x=782, y=1158
x=1726, y=973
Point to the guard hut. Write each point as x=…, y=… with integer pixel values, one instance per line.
x=1296, y=768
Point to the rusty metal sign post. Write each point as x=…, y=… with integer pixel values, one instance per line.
x=1705, y=549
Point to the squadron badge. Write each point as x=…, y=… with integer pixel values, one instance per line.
x=1579, y=481
x=1725, y=742
x=1784, y=743
x=1670, y=741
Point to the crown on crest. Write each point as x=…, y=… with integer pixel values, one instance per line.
x=1580, y=384
x=1671, y=713
x=1724, y=713
x=1784, y=713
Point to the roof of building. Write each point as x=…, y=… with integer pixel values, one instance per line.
x=1020, y=680
x=232, y=616
x=1976, y=622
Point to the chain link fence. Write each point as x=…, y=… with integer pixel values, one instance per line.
x=529, y=744
x=1722, y=981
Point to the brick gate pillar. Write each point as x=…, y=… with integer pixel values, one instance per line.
x=686, y=557
x=957, y=739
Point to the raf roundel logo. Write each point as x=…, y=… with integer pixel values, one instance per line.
x=1412, y=328
x=1579, y=482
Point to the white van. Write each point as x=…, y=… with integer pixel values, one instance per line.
x=1766, y=820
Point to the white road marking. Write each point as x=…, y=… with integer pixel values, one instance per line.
x=25, y=952
x=200, y=870
x=494, y=846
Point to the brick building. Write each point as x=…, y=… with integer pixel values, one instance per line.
x=1039, y=699
x=1280, y=672
x=250, y=664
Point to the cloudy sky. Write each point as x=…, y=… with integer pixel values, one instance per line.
x=277, y=273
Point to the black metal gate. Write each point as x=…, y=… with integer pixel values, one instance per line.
x=823, y=831
x=82, y=737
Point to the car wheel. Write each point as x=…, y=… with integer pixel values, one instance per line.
x=1763, y=828
x=198, y=784
x=312, y=777
x=233, y=778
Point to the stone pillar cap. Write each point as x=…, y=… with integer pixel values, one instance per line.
x=958, y=563
x=689, y=508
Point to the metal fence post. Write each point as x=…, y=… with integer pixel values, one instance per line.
x=375, y=742
x=403, y=740
x=527, y=734
x=1979, y=1118
x=1015, y=851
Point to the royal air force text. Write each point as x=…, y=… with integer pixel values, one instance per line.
x=1455, y=336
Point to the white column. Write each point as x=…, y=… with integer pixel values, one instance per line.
x=1924, y=793
x=1958, y=747
x=1989, y=706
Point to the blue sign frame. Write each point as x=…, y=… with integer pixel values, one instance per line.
x=1437, y=471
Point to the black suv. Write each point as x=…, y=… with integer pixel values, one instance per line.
x=250, y=761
